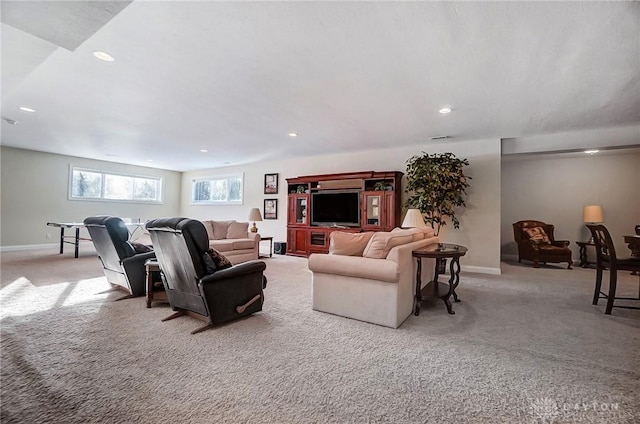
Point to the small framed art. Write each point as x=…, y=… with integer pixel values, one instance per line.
x=270, y=208
x=270, y=183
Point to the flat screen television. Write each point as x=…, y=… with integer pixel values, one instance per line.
x=330, y=208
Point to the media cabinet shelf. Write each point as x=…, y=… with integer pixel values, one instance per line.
x=379, y=203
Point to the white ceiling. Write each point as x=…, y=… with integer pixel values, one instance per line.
x=236, y=77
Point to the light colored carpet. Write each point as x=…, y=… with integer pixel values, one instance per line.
x=523, y=347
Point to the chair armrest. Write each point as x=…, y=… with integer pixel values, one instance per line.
x=561, y=243
x=238, y=270
x=139, y=258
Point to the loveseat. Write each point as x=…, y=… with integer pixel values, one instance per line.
x=370, y=276
x=233, y=239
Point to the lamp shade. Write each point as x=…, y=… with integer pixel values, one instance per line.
x=592, y=214
x=413, y=219
x=254, y=215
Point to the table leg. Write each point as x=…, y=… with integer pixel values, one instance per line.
x=583, y=256
x=77, y=240
x=61, y=240
x=418, y=297
x=149, y=287
x=271, y=248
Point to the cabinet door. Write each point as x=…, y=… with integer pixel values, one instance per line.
x=297, y=211
x=390, y=211
x=297, y=241
x=373, y=210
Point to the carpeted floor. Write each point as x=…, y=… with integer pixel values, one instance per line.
x=523, y=347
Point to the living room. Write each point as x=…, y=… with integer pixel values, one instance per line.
x=525, y=344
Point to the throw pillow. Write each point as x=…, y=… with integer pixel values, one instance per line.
x=381, y=243
x=348, y=244
x=537, y=235
x=220, y=229
x=140, y=248
x=208, y=225
x=238, y=230
x=215, y=261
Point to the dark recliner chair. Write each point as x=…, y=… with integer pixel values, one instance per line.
x=543, y=248
x=192, y=286
x=122, y=266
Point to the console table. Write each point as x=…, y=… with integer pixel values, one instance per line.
x=435, y=289
x=584, y=261
x=76, y=238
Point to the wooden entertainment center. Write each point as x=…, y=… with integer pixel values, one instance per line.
x=365, y=201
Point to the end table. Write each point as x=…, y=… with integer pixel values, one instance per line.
x=152, y=265
x=584, y=260
x=436, y=289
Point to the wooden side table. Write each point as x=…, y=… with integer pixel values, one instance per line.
x=270, y=240
x=584, y=260
x=436, y=289
x=152, y=265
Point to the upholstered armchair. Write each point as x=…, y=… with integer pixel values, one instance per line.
x=536, y=243
x=122, y=265
x=195, y=284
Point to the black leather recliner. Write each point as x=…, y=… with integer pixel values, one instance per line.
x=122, y=266
x=193, y=288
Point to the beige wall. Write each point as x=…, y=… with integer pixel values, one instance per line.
x=35, y=189
x=554, y=190
x=480, y=223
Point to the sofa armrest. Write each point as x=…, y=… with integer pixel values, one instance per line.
x=254, y=236
x=354, y=266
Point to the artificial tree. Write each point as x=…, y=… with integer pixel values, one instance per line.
x=437, y=186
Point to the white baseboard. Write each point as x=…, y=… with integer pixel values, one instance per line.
x=67, y=247
x=481, y=270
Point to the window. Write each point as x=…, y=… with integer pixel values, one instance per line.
x=220, y=190
x=90, y=184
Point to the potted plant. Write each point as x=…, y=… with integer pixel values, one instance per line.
x=437, y=186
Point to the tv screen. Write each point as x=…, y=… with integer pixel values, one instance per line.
x=335, y=208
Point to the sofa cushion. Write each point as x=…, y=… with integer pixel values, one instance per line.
x=220, y=229
x=537, y=235
x=208, y=225
x=382, y=242
x=348, y=244
x=245, y=243
x=237, y=230
x=222, y=245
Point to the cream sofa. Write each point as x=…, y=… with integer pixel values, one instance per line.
x=233, y=239
x=370, y=276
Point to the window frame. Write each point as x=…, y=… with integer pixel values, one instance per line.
x=238, y=175
x=104, y=173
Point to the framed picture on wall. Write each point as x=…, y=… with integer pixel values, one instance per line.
x=270, y=183
x=270, y=208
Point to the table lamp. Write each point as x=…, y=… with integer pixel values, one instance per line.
x=254, y=215
x=413, y=219
x=592, y=215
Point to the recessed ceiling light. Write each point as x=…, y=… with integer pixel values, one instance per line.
x=292, y=134
x=204, y=150
x=26, y=109
x=103, y=56
x=591, y=152
x=445, y=110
